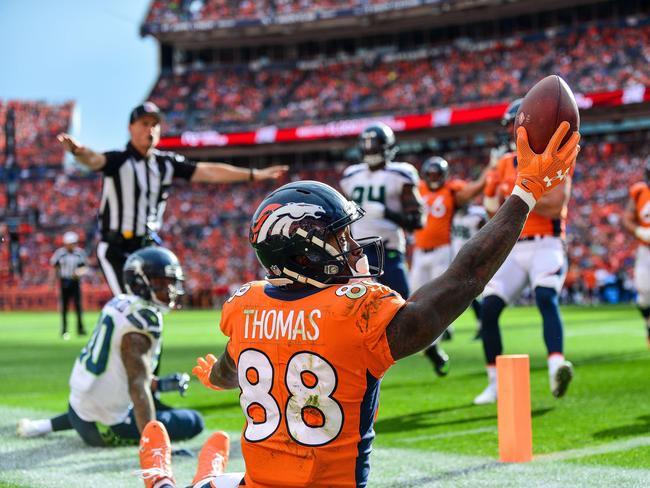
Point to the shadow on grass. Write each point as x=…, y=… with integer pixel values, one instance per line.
x=428, y=419
x=640, y=428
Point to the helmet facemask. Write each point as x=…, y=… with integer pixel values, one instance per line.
x=163, y=291
x=372, y=152
x=435, y=179
x=323, y=257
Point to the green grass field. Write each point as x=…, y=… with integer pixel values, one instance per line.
x=428, y=431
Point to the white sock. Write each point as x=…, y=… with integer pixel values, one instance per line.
x=554, y=361
x=44, y=426
x=492, y=375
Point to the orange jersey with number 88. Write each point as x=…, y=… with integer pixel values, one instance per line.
x=309, y=365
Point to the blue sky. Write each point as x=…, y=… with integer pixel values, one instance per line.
x=87, y=51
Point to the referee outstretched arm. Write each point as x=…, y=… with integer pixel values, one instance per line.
x=205, y=172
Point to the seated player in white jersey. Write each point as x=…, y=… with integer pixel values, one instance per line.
x=388, y=192
x=111, y=382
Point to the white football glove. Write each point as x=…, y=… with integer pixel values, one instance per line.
x=374, y=210
x=643, y=233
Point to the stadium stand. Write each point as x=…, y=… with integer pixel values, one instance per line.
x=383, y=80
x=37, y=124
x=172, y=12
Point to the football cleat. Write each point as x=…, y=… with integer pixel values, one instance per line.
x=213, y=457
x=487, y=396
x=28, y=428
x=438, y=358
x=561, y=378
x=155, y=455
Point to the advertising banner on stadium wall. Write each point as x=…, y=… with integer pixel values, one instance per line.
x=399, y=123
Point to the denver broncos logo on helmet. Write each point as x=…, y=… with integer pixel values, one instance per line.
x=276, y=219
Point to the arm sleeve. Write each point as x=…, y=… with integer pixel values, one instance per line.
x=183, y=168
x=145, y=321
x=54, y=260
x=376, y=311
x=114, y=160
x=635, y=191
x=225, y=324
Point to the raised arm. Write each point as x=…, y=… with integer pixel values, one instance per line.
x=227, y=173
x=471, y=190
x=134, y=351
x=86, y=156
x=430, y=310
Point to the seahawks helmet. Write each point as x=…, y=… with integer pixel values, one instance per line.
x=434, y=172
x=154, y=274
x=295, y=233
x=377, y=144
x=511, y=112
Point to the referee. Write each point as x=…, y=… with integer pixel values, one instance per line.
x=69, y=262
x=136, y=183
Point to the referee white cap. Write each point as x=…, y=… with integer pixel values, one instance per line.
x=70, y=238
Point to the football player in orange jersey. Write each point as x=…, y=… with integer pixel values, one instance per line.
x=432, y=253
x=636, y=220
x=309, y=345
x=537, y=260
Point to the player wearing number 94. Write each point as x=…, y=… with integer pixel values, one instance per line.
x=111, y=382
x=309, y=345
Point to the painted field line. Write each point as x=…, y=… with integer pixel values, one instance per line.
x=624, y=445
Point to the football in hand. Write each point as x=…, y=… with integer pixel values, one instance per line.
x=544, y=107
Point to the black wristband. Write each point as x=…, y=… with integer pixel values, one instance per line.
x=252, y=175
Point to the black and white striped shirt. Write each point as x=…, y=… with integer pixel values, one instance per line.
x=67, y=262
x=135, y=189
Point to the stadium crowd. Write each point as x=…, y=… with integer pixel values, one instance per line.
x=210, y=234
x=172, y=12
x=236, y=97
x=37, y=124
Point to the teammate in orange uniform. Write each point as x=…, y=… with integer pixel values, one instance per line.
x=309, y=345
x=432, y=254
x=537, y=260
x=636, y=220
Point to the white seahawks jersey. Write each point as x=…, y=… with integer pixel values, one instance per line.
x=99, y=390
x=384, y=185
x=465, y=224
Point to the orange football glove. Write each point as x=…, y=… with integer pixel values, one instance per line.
x=540, y=173
x=202, y=370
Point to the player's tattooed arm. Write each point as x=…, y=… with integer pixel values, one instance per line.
x=224, y=372
x=134, y=350
x=412, y=215
x=433, y=307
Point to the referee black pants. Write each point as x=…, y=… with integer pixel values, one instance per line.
x=70, y=290
x=111, y=259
